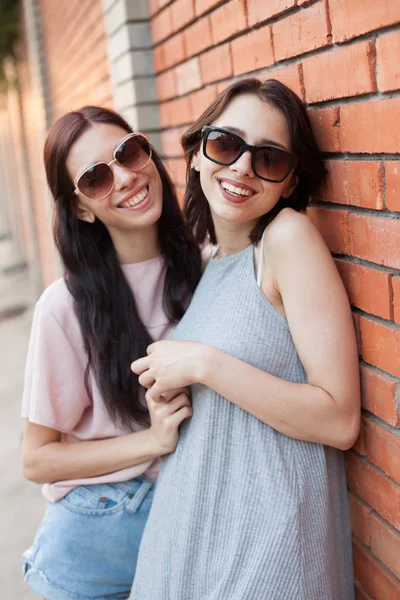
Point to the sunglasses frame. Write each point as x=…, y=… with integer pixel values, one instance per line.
x=114, y=160
x=244, y=147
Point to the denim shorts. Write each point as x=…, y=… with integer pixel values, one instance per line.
x=87, y=545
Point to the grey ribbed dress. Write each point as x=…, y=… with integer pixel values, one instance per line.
x=241, y=511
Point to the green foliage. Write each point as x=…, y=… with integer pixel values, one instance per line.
x=8, y=29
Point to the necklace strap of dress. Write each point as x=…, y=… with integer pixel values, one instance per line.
x=260, y=260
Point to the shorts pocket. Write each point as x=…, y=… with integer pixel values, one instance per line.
x=87, y=501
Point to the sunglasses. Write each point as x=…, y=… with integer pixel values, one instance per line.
x=97, y=181
x=267, y=162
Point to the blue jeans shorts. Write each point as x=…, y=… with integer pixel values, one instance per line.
x=87, y=545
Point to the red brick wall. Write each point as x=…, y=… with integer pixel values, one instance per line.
x=342, y=58
x=75, y=49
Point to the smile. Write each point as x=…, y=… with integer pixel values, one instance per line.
x=135, y=200
x=233, y=189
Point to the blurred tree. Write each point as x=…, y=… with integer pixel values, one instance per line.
x=8, y=30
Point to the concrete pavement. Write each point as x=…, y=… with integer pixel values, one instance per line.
x=21, y=503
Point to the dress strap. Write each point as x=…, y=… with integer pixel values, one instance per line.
x=260, y=260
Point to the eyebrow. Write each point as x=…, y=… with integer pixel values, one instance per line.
x=262, y=141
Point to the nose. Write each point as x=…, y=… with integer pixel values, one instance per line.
x=122, y=177
x=243, y=165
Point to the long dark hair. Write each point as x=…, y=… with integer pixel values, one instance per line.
x=310, y=169
x=112, y=331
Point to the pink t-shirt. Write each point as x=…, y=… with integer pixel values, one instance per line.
x=55, y=394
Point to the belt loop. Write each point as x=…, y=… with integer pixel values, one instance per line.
x=135, y=502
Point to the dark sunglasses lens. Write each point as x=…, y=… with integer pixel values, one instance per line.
x=133, y=153
x=96, y=182
x=222, y=147
x=272, y=163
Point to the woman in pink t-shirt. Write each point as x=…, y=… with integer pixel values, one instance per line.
x=130, y=267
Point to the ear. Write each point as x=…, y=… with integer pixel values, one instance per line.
x=195, y=164
x=85, y=214
x=291, y=186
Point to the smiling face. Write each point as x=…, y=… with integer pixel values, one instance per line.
x=235, y=194
x=136, y=199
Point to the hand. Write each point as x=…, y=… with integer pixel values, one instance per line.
x=170, y=365
x=165, y=419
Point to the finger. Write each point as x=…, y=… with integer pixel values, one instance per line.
x=176, y=404
x=184, y=413
x=140, y=365
x=170, y=394
x=146, y=379
x=151, y=348
x=157, y=392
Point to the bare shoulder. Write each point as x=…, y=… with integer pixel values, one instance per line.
x=293, y=232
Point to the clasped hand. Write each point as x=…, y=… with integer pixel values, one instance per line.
x=169, y=365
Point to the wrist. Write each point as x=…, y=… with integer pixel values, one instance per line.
x=152, y=443
x=204, y=364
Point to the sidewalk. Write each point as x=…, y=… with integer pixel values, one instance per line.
x=21, y=503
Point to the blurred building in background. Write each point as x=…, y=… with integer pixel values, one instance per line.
x=160, y=63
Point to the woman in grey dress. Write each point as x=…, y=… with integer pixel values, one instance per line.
x=252, y=505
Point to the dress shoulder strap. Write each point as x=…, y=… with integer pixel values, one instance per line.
x=260, y=260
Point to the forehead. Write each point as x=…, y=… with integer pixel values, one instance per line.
x=257, y=119
x=96, y=144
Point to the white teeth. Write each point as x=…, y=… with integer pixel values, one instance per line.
x=136, y=199
x=235, y=190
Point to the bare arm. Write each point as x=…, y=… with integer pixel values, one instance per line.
x=46, y=458
x=326, y=409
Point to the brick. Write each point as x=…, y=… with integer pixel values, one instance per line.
x=228, y=20
x=377, y=580
x=301, y=32
x=380, y=395
x=396, y=299
x=383, y=448
x=350, y=73
x=359, y=445
x=158, y=58
x=260, y=10
x=388, y=52
x=359, y=517
x=174, y=51
x=351, y=18
x=177, y=168
x=392, y=176
x=171, y=144
x=356, y=321
x=372, y=486
x=182, y=13
x=380, y=345
x=371, y=126
x=198, y=36
x=367, y=288
x=202, y=6
x=188, y=76
x=166, y=85
x=333, y=225
x=161, y=26
x=375, y=239
x=201, y=100
x=325, y=123
x=290, y=76
x=385, y=544
x=216, y=64
x=356, y=183
x=176, y=112
x=252, y=51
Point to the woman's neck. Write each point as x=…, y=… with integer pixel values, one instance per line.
x=136, y=246
x=231, y=237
